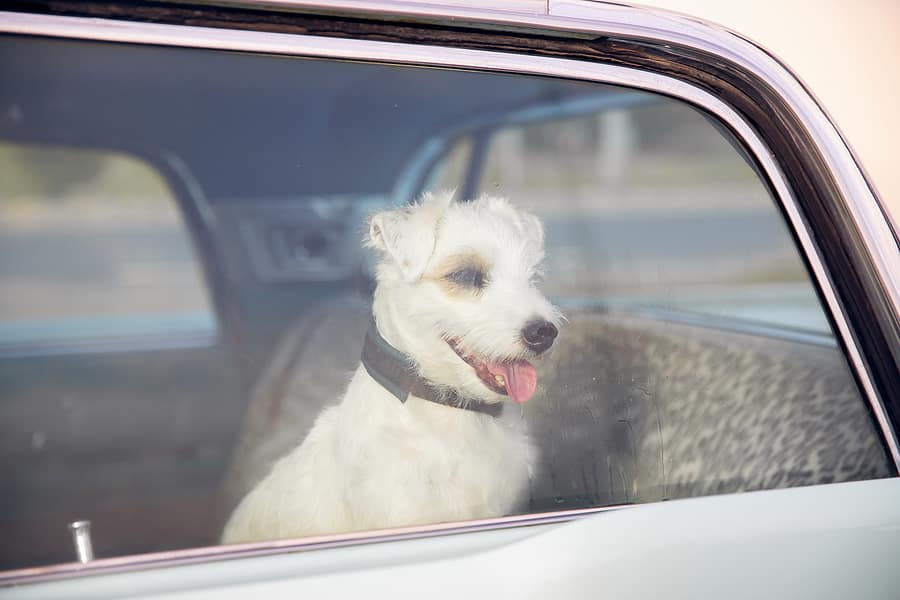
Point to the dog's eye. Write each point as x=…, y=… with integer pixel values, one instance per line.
x=468, y=277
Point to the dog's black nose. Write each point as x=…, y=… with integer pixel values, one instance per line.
x=539, y=335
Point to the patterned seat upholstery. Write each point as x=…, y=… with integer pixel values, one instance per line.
x=640, y=409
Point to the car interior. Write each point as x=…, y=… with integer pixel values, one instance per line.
x=208, y=305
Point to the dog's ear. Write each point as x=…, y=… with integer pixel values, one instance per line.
x=408, y=235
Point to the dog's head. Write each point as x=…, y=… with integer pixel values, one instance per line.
x=456, y=291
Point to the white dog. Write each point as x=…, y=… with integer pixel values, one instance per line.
x=418, y=437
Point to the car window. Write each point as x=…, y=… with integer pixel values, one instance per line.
x=94, y=250
x=450, y=173
x=650, y=204
x=584, y=295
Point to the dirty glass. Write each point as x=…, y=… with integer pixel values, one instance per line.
x=690, y=354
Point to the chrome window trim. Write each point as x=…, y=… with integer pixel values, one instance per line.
x=422, y=55
x=204, y=554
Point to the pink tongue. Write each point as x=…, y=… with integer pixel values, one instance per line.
x=521, y=379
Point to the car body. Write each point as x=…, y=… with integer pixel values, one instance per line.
x=727, y=398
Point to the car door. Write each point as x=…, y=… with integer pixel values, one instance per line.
x=702, y=359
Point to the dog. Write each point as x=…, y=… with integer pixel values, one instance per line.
x=420, y=436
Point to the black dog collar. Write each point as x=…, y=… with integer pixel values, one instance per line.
x=395, y=372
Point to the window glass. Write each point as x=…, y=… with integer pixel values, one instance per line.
x=650, y=204
x=669, y=344
x=450, y=172
x=93, y=249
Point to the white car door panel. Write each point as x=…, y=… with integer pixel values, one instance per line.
x=835, y=541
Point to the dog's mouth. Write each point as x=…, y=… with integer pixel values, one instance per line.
x=516, y=379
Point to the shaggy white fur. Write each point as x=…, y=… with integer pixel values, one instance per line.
x=460, y=272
